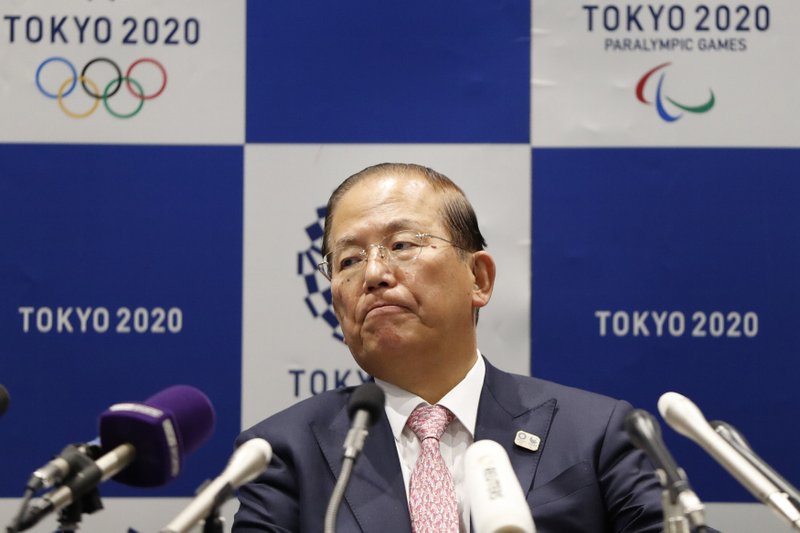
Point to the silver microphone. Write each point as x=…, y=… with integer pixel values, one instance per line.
x=247, y=462
x=685, y=418
x=740, y=444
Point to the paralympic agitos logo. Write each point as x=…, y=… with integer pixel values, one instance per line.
x=668, y=109
x=101, y=80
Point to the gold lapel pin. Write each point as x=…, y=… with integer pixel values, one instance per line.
x=526, y=440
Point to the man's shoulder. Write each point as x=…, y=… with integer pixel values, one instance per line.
x=536, y=389
x=321, y=408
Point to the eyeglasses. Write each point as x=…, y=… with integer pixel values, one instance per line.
x=396, y=249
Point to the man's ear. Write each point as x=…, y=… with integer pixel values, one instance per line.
x=483, y=270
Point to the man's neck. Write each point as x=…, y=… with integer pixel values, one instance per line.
x=433, y=382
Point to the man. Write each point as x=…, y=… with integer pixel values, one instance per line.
x=408, y=274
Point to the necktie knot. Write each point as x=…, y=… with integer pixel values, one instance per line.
x=429, y=421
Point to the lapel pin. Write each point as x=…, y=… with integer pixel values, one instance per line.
x=526, y=440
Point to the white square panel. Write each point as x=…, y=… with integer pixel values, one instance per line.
x=182, y=63
x=288, y=354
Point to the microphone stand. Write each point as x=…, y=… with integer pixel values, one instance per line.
x=69, y=518
x=674, y=519
x=214, y=522
x=364, y=407
x=338, y=494
x=683, y=510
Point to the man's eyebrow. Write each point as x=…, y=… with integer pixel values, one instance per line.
x=393, y=226
x=346, y=240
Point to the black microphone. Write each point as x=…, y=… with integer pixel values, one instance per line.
x=5, y=399
x=70, y=460
x=740, y=444
x=645, y=433
x=80, y=484
x=365, y=407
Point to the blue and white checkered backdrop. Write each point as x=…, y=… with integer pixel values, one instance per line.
x=633, y=167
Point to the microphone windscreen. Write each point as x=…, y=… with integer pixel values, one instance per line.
x=192, y=411
x=162, y=429
x=5, y=399
x=496, y=498
x=368, y=397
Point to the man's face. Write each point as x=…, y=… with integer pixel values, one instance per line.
x=394, y=316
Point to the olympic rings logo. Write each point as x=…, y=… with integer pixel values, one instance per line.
x=110, y=88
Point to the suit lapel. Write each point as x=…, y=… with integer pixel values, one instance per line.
x=504, y=410
x=376, y=492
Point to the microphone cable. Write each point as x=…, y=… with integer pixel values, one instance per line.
x=26, y=500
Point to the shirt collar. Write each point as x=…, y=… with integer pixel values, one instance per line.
x=462, y=400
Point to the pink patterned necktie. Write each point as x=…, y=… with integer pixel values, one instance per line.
x=432, y=495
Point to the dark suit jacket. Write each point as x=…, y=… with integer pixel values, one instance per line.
x=585, y=477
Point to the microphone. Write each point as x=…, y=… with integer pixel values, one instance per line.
x=150, y=427
x=247, y=462
x=364, y=408
x=496, y=499
x=147, y=442
x=71, y=459
x=685, y=418
x=163, y=429
x=645, y=433
x=81, y=484
x=740, y=444
x=5, y=399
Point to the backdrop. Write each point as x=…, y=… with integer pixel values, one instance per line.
x=164, y=168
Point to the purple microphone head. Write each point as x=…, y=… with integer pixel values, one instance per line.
x=192, y=411
x=162, y=429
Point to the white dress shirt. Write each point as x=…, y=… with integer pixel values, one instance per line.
x=462, y=401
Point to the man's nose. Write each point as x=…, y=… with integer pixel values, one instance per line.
x=377, y=271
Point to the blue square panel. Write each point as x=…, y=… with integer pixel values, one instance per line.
x=121, y=274
x=365, y=71
x=660, y=270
